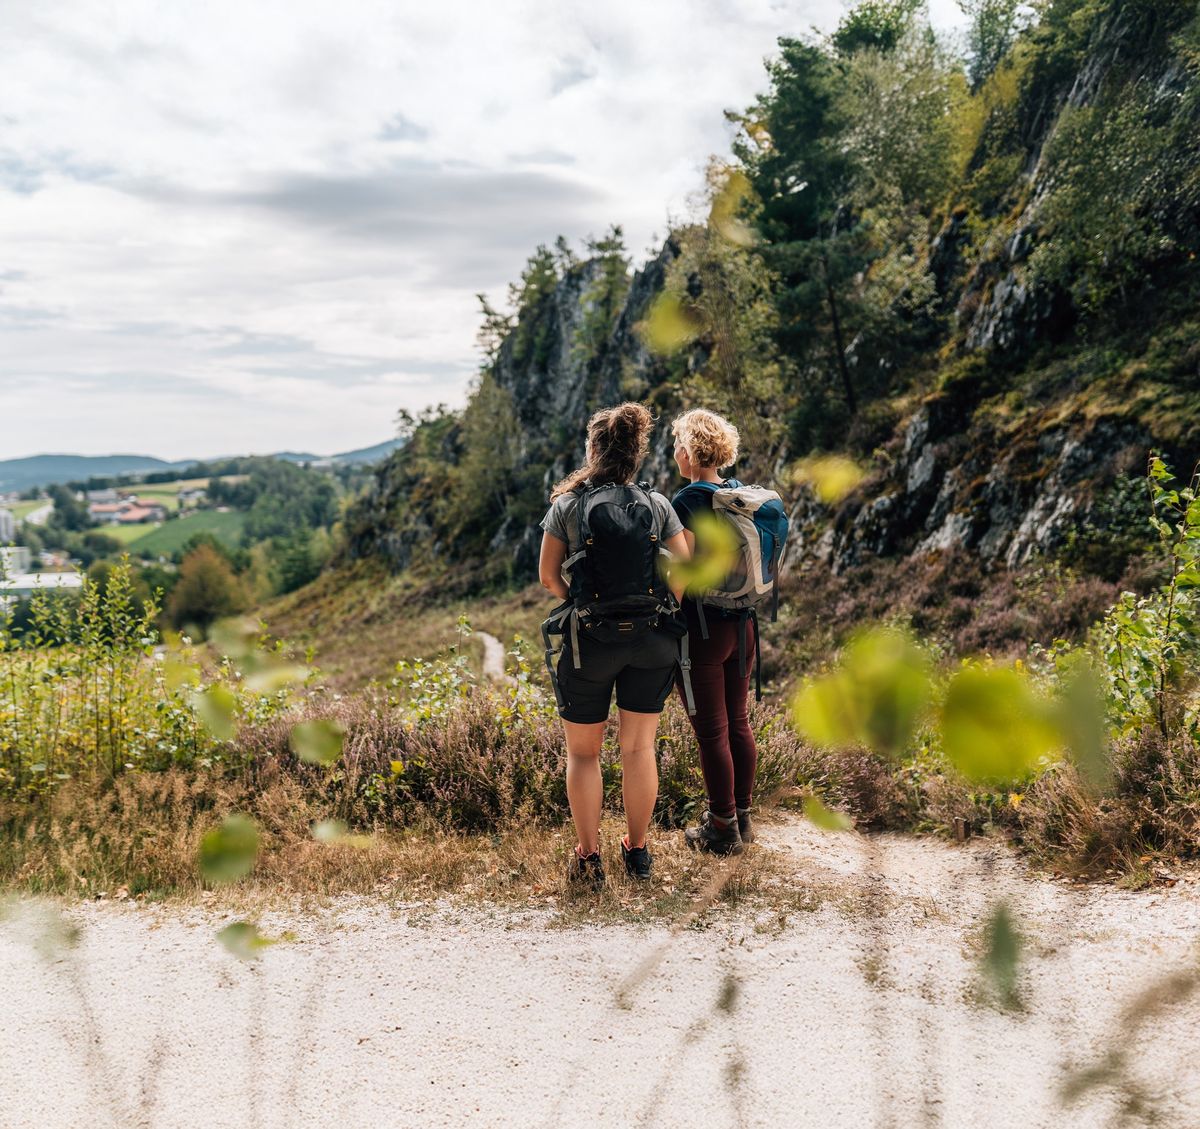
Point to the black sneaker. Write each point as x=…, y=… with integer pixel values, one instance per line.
x=586, y=870
x=638, y=861
x=712, y=836
x=745, y=827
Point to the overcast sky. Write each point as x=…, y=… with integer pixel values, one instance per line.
x=259, y=225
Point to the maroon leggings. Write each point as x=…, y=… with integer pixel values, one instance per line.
x=728, y=755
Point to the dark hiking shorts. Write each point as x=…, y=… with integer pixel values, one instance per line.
x=643, y=671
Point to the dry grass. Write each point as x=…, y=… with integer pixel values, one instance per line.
x=140, y=839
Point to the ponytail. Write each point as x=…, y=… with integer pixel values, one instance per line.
x=618, y=440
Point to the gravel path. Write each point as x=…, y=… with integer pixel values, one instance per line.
x=853, y=1001
x=493, y=657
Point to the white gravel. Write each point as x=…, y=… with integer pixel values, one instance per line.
x=859, y=1007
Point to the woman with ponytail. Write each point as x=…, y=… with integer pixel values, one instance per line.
x=602, y=547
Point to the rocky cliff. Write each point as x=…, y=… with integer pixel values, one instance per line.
x=1017, y=417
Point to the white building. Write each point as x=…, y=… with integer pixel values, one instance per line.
x=13, y=560
x=8, y=527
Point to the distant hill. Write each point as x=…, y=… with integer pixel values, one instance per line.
x=295, y=457
x=46, y=470
x=369, y=454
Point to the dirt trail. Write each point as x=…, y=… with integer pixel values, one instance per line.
x=852, y=1001
x=493, y=657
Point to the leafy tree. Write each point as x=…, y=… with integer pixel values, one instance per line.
x=992, y=31
x=604, y=296
x=207, y=590
x=297, y=562
x=533, y=333
x=875, y=25
x=69, y=512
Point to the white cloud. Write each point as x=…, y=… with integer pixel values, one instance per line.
x=257, y=226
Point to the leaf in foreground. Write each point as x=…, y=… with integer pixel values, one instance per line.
x=243, y=939
x=825, y=818
x=715, y=556
x=1002, y=954
x=45, y=929
x=337, y=831
x=831, y=477
x=228, y=852
x=875, y=697
x=317, y=742
x=214, y=707
x=995, y=727
x=669, y=326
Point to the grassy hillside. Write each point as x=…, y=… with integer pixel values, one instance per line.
x=362, y=620
x=171, y=536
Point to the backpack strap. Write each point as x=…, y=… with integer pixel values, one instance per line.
x=757, y=657
x=685, y=670
x=553, y=625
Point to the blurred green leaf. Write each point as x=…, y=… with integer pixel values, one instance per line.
x=1002, y=954
x=713, y=559
x=228, y=852
x=994, y=726
x=317, y=742
x=269, y=677
x=177, y=673
x=337, y=831
x=824, y=817
x=243, y=939
x=235, y=638
x=329, y=830
x=1083, y=720
x=727, y=207
x=40, y=925
x=831, y=477
x=215, y=707
x=670, y=325
x=875, y=697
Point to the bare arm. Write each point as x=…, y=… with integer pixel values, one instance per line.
x=554, y=552
x=680, y=548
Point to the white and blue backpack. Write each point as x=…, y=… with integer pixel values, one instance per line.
x=760, y=523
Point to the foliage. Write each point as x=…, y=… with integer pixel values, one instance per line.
x=601, y=302
x=1103, y=738
x=207, y=590
x=1150, y=645
x=717, y=298
x=993, y=28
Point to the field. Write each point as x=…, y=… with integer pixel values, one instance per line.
x=21, y=510
x=168, y=492
x=172, y=535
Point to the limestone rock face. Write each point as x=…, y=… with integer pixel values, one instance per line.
x=961, y=472
x=1003, y=497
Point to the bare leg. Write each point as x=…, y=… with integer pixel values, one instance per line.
x=639, y=772
x=585, y=785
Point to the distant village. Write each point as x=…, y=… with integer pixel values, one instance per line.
x=21, y=573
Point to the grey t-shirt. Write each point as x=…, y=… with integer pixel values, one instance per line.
x=561, y=521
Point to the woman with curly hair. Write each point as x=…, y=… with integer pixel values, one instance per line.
x=706, y=443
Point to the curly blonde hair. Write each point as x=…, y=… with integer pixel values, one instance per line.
x=710, y=440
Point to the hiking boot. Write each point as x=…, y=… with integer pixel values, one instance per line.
x=586, y=870
x=719, y=837
x=745, y=827
x=638, y=861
